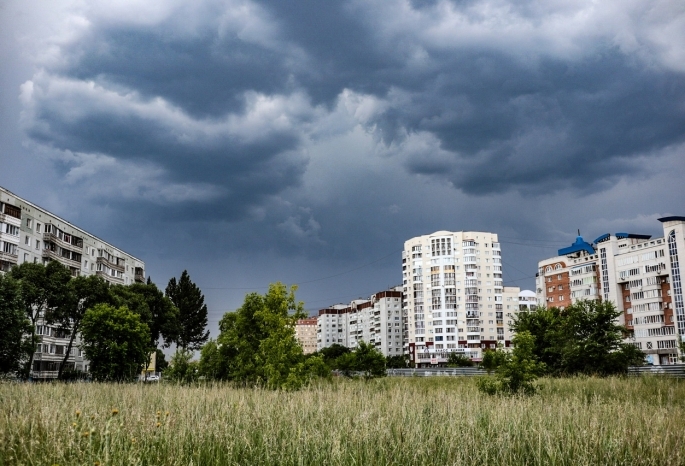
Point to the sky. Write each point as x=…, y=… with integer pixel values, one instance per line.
x=259, y=141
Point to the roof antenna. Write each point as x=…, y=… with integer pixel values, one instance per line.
x=578, y=231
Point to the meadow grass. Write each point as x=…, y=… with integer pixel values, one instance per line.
x=392, y=421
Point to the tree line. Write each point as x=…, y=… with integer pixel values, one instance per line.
x=581, y=339
x=120, y=326
x=257, y=346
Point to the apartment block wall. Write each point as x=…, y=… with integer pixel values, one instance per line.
x=455, y=300
x=377, y=320
x=29, y=233
x=641, y=275
x=305, y=332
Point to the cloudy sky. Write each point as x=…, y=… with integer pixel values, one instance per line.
x=255, y=141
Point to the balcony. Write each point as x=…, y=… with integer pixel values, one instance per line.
x=139, y=278
x=7, y=257
x=111, y=265
x=48, y=254
x=109, y=278
x=51, y=237
x=11, y=220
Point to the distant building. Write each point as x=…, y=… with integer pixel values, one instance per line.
x=641, y=275
x=305, y=332
x=455, y=299
x=29, y=233
x=377, y=320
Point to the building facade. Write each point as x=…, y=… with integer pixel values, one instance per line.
x=641, y=275
x=454, y=296
x=305, y=332
x=29, y=233
x=377, y=320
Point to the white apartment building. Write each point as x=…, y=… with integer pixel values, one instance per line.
x=455, y=300
x=377, y=320
x=640, y=274
x=29, y=233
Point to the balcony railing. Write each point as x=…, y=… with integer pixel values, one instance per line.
x=111, y=265
x=49, y=254
x=56, y=239
x=106, y=276
x=5, y=256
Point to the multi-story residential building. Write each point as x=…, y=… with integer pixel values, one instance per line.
x=377, y=320
x=29, y=233
x=454, y=297
x=305, y=332
x=641, y=275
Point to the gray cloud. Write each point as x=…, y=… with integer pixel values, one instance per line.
x=336, y=130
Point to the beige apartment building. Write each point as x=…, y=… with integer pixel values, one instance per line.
x=641, y=275
x=305, y=332
x=454, y=296
x=29, y=233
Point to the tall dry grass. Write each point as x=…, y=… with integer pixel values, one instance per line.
x=439, y=421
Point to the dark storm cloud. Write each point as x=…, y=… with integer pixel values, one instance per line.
x=225, y=106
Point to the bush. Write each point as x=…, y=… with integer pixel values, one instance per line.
x=517, y=370
x=458, y=360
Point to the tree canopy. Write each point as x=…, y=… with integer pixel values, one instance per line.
x=257, y=344
x=15, y=347
x=115, y=341
x=584, y=338
x=192, y=312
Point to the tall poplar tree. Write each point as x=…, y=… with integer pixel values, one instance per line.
x=192, y=312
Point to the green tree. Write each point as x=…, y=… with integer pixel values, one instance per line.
x=458, y=360
x=583, y=338
x=257, y=344
x=42, y=289
x=163, y=323
x=15, y=347
x=160, y=360
x=397, y=362
x=115, y=341
x=369, y=360
x=83, y=294
x=211, y=364
x=544, y=324
x=182, y=368
x=517, y=371
x=192, y=312
x=591, y=342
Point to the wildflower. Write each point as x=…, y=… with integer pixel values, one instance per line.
x=97, y=463
x=133, y=440
x=158, y=413
x=115, y=412
x=73, y=424
x=78, y=413
x=167, y=413
x=92, y=417
x=159, y=424
x=85, y=433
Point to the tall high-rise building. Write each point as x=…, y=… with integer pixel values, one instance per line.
x=641, y=275
x=29, y=233
x=454, y=296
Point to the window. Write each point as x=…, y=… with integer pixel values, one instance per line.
x=37, y=244
x=37, y=227
x=28, y=222
x=27, y=240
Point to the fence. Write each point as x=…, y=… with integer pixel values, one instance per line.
x=677, y=371
x=437, y=371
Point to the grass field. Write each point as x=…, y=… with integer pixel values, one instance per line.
x=440, y=421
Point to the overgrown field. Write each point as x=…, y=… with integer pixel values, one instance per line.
x=390, y=421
